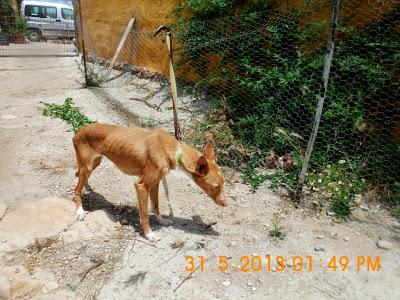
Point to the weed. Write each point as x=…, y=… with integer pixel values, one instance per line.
x=278, y=230
x=339, y=183
x=393, y=199
x=214, y=128
x=150, y=122
x=396, y=211
x=92, y=78
x=72, y=115
x=253, y=178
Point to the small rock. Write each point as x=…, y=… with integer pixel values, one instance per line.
x=254, y=289
x=319, y=249
x=334, y=236
x=49, y=286
x=346, y=239
x=385, y=245
x=16, y=270
x=118, y=225
x=365, y=208
x=357, y=199
x=330, y=213
x=4, y=241
x=320, y=237
x=177, y=244
x=226, y=283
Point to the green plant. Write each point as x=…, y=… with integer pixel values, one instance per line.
x=393, y=199
x=150, y=122
x=72, y=115
x=251, y=177
x=278, y=231
x=396, y=211
x=91, y=77
x=214, y=128
x=18, y=27
x=339, y=183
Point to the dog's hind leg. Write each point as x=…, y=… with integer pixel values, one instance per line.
x=94, y=164
x=156, y=207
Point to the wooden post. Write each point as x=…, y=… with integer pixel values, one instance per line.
x=172, y=79
x=324, y=88
x=174, y=91
x=120, y=46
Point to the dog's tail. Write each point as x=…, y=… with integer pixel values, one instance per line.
x=166, y=190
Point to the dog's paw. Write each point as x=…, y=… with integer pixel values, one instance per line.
x=164, y=221
x=80, y=214
x=151, y=236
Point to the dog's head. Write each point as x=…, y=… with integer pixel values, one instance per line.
x=209, y=177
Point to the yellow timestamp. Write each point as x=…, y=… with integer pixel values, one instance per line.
x=268, y=263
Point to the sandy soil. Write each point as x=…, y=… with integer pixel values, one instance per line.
x=44, y=252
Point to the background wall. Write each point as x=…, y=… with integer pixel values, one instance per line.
x=104, y=22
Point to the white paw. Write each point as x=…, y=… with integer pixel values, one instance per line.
x=151, y=236
x=163, y=221
x=80, y=213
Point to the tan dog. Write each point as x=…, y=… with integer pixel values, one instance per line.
x=149, y=154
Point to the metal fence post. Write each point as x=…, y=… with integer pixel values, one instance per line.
x=77, y=46
x=323, y=91
x=82, y=39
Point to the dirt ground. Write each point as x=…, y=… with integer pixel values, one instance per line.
x=46, y=254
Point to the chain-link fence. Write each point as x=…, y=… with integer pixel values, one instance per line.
x=37, y=28
x=249, y=79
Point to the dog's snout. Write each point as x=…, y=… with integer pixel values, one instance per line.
x=221, y=200
x=223, y=203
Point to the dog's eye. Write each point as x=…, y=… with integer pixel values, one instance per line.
x=215, y=187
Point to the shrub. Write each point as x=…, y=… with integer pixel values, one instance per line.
x=267, y=65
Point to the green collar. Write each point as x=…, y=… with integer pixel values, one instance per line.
x=178, y=156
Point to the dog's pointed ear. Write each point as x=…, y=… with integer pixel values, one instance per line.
x=202, y=166
x=209, y=152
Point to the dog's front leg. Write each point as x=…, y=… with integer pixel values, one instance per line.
x=143, y=199
x=156, y=207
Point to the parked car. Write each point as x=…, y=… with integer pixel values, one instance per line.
x=48, y=20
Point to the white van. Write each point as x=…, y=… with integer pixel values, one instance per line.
x=48, y=19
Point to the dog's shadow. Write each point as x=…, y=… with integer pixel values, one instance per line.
x=129, y=215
